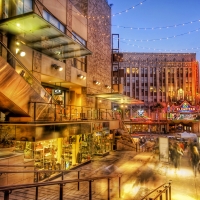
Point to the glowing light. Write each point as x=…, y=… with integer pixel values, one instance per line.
x=22, y=53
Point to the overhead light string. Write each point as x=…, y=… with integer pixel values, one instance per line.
x=159, y=27
x=108, y=16
x=165, y=50
x=159, y=39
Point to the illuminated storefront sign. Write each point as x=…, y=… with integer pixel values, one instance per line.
x=183, y=108
x=183, y=112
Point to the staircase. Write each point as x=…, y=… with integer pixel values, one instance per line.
x=125, y=142
x=18, y=88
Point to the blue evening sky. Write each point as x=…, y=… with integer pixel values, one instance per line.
x=147, y=27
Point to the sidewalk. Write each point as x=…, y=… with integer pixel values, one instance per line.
x=185, y=186
x=141, y=173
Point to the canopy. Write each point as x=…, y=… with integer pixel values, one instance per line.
x=42, y=36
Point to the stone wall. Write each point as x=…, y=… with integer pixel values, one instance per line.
x=99, y=42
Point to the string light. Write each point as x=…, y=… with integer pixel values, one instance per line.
x=159, y=27
x=149, y=48
x=131, y=8
x=159, y=39
x=108, y=16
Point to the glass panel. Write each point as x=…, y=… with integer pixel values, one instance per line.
x=78, y=38
x=5, y=9
x=28, y=6
x=47, y=16
x=53, y=42
x=16, y=7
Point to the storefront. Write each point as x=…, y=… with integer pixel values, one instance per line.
x=102, y=139
x=58, y=146
x=182, y=118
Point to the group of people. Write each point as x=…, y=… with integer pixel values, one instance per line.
x=176, y=150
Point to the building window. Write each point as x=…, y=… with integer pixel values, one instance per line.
x=78, y=39
x=20, y=7
x=80, y=63
x=48, y=17
x=135, y=70
x=128, y=70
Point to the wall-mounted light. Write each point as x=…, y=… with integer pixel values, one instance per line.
x=20, y=52
x=55, y=66
x=108, y=86
x=97, y=83
x=81, y=76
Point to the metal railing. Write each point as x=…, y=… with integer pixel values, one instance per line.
x=56, y=112
x=7, y=190
x=161, y=192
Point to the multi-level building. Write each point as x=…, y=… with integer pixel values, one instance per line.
x=160, y=80
x=54, y=57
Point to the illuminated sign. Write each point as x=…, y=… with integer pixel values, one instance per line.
x=185, y=107
x=57, y=91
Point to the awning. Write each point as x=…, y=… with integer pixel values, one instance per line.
x=42, y=36
x=118, y=98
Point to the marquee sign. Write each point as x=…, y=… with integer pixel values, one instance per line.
x=183, y=112
x=185, y=107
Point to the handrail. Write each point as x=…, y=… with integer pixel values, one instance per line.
x=29, y=185
x=125, y=127
x=8, y=189
x=126, y=144
x=37, y=170
x=166, y=188
x=16, y=166
x=65, y=112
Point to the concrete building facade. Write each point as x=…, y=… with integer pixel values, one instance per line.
x=158, y=79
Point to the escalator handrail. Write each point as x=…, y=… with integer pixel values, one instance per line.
x=27, y=71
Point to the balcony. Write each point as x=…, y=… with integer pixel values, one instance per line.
x=39, y=34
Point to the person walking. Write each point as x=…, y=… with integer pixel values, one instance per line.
x=195, y=159
x=178, y=152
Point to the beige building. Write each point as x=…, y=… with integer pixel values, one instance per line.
x=158, y=78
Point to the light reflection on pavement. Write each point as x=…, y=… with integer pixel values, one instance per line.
x=141, y=173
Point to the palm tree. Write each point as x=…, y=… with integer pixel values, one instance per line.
x=157, y=108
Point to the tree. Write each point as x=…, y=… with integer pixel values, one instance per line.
x=157, y=108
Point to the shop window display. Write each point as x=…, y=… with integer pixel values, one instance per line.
x=46, y=157
x=101, y=142
x=75, y=150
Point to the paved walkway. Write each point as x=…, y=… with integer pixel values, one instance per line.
x=141, y=173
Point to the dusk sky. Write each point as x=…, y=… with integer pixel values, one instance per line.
x=167, y=26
